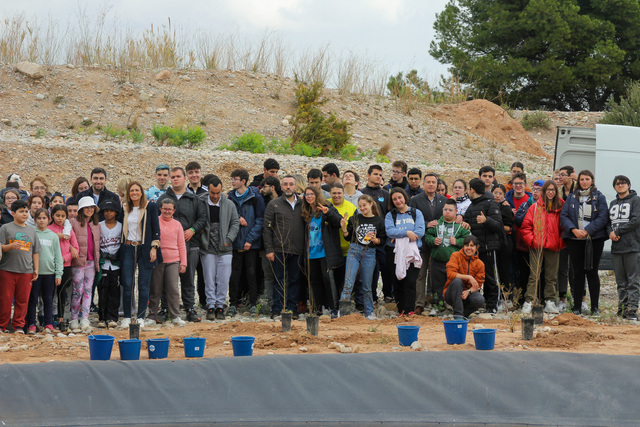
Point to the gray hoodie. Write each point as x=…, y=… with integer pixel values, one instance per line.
x=229, y=227
x=624, y=220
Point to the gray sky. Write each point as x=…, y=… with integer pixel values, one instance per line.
x=396, y=33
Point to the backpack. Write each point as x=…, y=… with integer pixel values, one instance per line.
x=394, y=214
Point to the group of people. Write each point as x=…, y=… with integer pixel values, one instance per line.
x=307, y=244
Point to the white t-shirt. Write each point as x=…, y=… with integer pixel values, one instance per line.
x=133, y=231
x=110, y=243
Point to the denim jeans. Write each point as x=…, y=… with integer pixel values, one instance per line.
x=361, y=258
x=127, y=274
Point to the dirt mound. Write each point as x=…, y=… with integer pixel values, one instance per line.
x=570, y=319
x=492, y=122
x=569, y=340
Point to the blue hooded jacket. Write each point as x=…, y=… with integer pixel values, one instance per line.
x=251, y=208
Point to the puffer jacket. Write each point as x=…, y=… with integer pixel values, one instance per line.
x=624, y=219
x=459, y=263
x=541, y=229
x=81, y=237
x=597, y=228
x=251, y=208
x=490, y=232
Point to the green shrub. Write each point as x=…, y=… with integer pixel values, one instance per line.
x=381, y=158
x=175, y=137
x=40, y=133
x=349, y=152
x=252, y=142
x=303, y=149
x=136, y=136
x=536, y=120
x=113, y=132
x=625, y=112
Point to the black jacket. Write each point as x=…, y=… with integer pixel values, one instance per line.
x=104, y=195
x=330, y=238
x=257, y=179
x=421, y=202
x=5, y=217
x=283, y=228
x=191, y=213
x=380, y=195
x=490, y=232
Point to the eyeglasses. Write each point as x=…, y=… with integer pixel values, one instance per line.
x=397, y=172
x=563, y=175
x=621, y=183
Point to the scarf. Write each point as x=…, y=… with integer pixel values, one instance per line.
x=584, y=208
x=462, y=199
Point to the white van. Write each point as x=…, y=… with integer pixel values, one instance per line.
x=607, y=151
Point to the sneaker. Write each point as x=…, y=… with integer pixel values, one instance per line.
x=371, y=317
x=551, y=308
x=162, y=316
x=192, y=316
x=140, y=322
x=253, y=310
x=526, y=308
x=295, y=315
x=149, y=322
x=84, y=323
x=112, y=324
x=126, y=322
x=433, y=312
x=73, y=325
x=501, y=306
x=562, y=307
x=48, y=329
x=220, y=313
x=178, y=321
x=577, y=312
x=419, y=310
x=334, y=314
x=232, y=311
x=102, y=324
x=631, y=316
x=32, y=330
x=585, y=307
x=211, y=314
x=595, y=312
x=20, y=331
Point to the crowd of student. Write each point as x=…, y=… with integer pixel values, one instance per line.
x=309, y=243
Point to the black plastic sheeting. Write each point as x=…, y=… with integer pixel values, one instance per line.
x=465, y=388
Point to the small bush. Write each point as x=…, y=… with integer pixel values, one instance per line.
x=178, y=137
x=381, y=158
x=252, y=142
x=40, y=133
x=136, y=136
x=536, y=120
x=113, y=132
x=86, y=122
x=625, y=112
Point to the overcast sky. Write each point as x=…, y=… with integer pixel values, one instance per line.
x=395, y=32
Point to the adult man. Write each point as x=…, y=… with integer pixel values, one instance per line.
x=518, y=195
x=414, y=178
x=98, y=189
x=568, y=183
x=246, y=247
x=192, y=215
x=162, y=183
x=624, y=232
x=346, y=210
x=398, y=175
x=565, y=271
x=271, y=168
x=330, y=175
x=483, y=215
x=216, y=246
x=283, y=235
x=488, y=175
x=194, y=173
x=314, y=178
x=430, y=204
x=270, y=189
x=351, y=181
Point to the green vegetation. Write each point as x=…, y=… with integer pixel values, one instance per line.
x=188, y=137
x=40, y=133
x=536, y=120
x=542, y=54
x=624, y=112
x=113, y=132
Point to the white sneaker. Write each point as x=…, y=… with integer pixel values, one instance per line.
x=501, y=306
x=526, y=308
x=84, y=324
x=551, y=308
x=112, y=324
x=178, y=321
x=125, y=323
x=371, y=317
x=585, y=307
x=73, y=325
x=149, y=322
x=102, y=324
x=140, y=322
x=433, y=312
x=562, y=307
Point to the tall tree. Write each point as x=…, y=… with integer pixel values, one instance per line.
x=553, y=54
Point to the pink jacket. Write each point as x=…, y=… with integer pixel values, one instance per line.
x=81, y=235
x=172, y=242
x=65, y=245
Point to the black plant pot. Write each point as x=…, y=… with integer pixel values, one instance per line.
x=286, y=322
x=527, y=328
x=345, y=308
x=312, y=325
x=538, y=314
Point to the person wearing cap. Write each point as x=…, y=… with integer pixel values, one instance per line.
x=86, y=265
x=15, y=182
x=141, y=238
x=162, y=183
x=109, y=286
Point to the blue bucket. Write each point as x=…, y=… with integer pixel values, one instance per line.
x=407, y=334
x=485, y=339
x=455, y=331
x=242, y=346
x=100, y=347
x=194, y=346
x=158, y=348
x=129, y=349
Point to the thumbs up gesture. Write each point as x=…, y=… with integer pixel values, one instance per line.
x=481, y=218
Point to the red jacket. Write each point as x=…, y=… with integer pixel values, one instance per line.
x=541, y=229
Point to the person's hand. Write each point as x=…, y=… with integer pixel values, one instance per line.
x=481, y=218
x=437, y=241
x=613, y=236
x=465, y=294
x=505, y=202
x=153, y=255
x=182, y=269
x=412, y=236
x=473, y=282
x=271, y=256
x=343, y=222
x=243, y=222
x=466, y=225
x=580, y=234
x=323, y=208
x=514, y=210
x=66, y=236
x=74, y=252
x=17, y=244
x=188, y=234
x=432, y=223
x=452, y=240
x=58, y=282
x=247, y=246
x=60, y=235
x=459, y=219
x=35, y=276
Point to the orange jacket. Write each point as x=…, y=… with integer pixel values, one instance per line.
x=459, y=263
